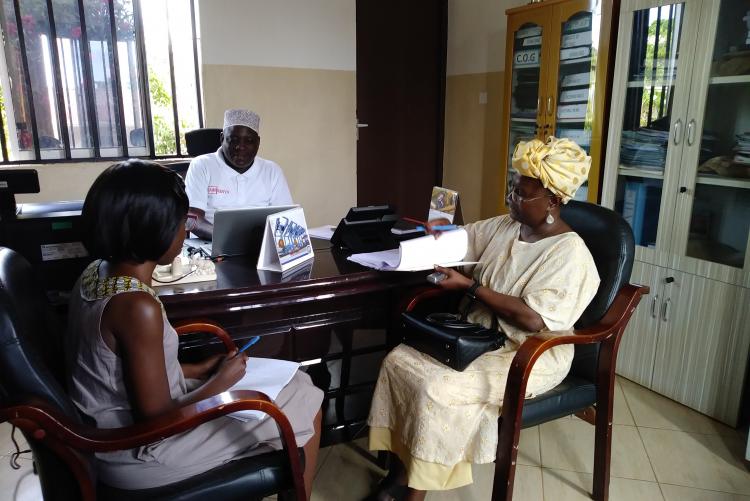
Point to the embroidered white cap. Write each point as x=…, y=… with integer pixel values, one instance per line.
x=245, y=118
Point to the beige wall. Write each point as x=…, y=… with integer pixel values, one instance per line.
x=63, y=181
x=307, y=127
x=293, y=62
x=473, y=103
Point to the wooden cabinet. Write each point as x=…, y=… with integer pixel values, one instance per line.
x=555, y=79
x=678, y=169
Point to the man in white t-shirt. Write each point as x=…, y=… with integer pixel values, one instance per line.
x=234, y=176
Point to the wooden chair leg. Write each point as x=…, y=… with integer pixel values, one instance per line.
x=505, y=461
x=603, y=435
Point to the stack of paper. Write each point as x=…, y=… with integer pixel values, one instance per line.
x=419, y=253
x=265, y=375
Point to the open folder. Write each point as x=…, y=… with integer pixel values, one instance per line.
x=419, y=253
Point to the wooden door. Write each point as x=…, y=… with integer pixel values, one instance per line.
x=401, y=57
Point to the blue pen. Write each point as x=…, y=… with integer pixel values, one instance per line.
x=440, y=227
x=247, y=345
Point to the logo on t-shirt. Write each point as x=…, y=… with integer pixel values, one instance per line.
x=215, y=190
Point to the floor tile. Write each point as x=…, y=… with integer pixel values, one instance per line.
x=709, y=462
x=657, y=411
x=679, y=493
x=342, y=463
x=569, y=445
x=621, y=413
x=6, y=444
x=560, y=485
x=19, y=485
x=528, y=447
x=527, y=485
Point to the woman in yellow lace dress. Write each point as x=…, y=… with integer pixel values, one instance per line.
x=535, y=274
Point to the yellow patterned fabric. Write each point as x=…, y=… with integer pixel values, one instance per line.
x=560, y=164
x=94, y=288
x=438, y=420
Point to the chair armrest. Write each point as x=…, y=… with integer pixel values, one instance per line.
x=423, y=294
x=40, y=420
x=612, y=324
x=190, y=326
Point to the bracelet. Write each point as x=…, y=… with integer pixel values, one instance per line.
x=472, y=291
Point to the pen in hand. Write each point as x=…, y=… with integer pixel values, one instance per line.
x=247, y=345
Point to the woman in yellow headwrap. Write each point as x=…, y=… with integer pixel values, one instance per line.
x=536, y=274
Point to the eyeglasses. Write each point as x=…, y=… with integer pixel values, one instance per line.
x=191, y=222
x=514, y=196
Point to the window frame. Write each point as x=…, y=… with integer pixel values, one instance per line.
x=68, y=154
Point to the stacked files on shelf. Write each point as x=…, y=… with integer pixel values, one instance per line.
x=742, y=148
x=644, y=148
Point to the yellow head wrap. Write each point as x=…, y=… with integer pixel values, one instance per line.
x=560, y=164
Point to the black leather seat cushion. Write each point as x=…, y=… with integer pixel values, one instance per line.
x=248, y=478
x=570, y=396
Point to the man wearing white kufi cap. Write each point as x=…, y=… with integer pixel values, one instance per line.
x=234, y=176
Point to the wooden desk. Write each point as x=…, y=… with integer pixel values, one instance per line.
x=333, y=315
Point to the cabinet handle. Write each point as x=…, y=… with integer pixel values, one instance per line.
x=678, y=131
x=549, y=105
x=653, y=306
x=691, y=132
x=665, y=310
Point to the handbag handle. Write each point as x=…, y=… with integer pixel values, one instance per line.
x=465, y=311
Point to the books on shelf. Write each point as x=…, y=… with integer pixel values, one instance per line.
x=529, y=32
x=572, y=110
x=572, y=96
x=576, y=39
x=531, y=41
x=581, y=23
x=574, y=53
x=640, y=208
x=644, y=148
x=526, y=58
x=576, y=79
x=581, y=137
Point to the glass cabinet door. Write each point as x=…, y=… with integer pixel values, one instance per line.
x=576, y=79
x=527, y=72
x=648, y=117
x=720, y=212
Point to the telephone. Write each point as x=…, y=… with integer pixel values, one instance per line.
x=184, y=270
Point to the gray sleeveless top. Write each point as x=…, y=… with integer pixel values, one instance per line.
x=96, y=381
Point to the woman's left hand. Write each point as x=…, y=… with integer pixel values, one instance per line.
x=208, y=366
x=454, y=279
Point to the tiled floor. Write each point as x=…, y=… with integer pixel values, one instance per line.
x=660, y=451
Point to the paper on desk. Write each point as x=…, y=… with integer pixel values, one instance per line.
x=323, y=232
x=419, y=253
x=266, y=375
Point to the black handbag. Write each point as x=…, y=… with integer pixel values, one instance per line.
x=449, y=338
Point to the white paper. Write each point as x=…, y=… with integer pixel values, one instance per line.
x=322, y=232
x=419, y=253
x=266, y=375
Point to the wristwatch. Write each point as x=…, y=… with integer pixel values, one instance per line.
x=472, y=291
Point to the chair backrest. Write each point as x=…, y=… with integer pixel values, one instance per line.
x=202, y=141
x=32, y=361
x=610, y=241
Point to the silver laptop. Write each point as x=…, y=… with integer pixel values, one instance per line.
x=238, y=232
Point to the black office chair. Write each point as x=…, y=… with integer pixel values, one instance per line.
x=588, y=389
x=32, y=398
x=202, y=141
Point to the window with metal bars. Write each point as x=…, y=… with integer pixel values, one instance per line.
x=90, y=79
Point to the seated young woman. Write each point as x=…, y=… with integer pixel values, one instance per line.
x=122, y=352
x=535, y=274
